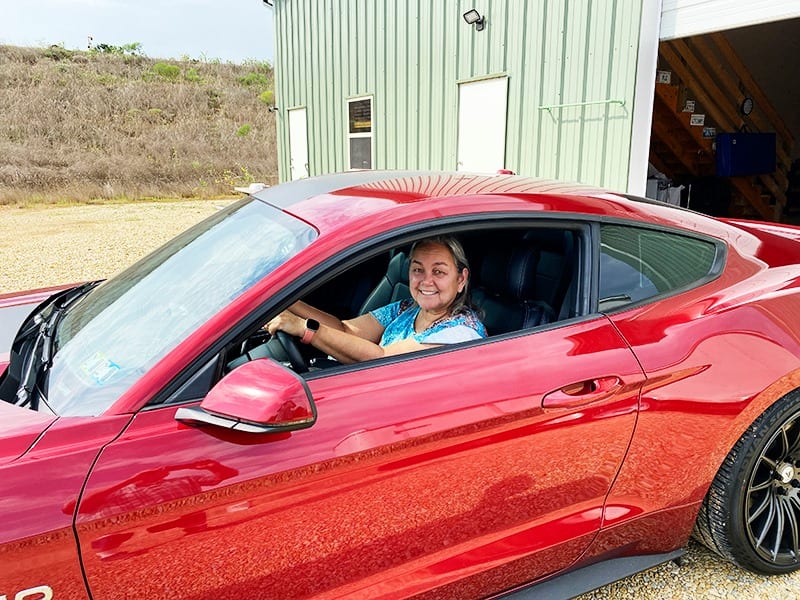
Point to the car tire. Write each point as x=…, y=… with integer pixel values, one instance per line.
x=751, y=514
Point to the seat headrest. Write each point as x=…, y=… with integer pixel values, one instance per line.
x=547, y=239
x=397, y=271
x=510, y=273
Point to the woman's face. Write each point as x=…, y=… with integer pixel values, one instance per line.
x=434, y=278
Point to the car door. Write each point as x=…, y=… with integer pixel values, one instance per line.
x=467, y=470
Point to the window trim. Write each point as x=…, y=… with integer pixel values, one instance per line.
x=369, y=135
x=715, y=271
x=351, y=256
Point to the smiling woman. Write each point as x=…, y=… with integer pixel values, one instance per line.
x=437, y=312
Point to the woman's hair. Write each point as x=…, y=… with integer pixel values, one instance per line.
x=461, y=301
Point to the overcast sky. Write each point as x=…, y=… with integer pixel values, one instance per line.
x=228, y=30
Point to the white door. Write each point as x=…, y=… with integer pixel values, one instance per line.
x=298, y=143
x=482, y=125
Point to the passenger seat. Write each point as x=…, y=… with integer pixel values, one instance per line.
x=507, y=292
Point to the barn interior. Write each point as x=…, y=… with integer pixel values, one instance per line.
x=726, y=120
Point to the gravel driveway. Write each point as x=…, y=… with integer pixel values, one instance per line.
x=45, y=246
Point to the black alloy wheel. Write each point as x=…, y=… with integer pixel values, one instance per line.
x=751, y=514
x=772, y=502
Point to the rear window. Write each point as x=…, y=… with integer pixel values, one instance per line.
x=636, y=263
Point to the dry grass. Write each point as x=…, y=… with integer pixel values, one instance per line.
x=86, y=126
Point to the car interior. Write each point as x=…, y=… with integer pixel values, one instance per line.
x=520, y=278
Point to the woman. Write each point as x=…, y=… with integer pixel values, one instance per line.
x=437, y=314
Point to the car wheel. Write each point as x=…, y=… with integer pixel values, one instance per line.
x=751, y=514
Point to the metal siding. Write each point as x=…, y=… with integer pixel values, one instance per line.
x=549, y=91
x=623, y=86
x=426, y=46
x=380, y=98
x=523, y=52
x=411, y=55
x=401, y=89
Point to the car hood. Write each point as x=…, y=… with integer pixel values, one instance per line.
x=19, y=429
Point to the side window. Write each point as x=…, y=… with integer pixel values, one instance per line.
x=636, y=264
x=359, y=133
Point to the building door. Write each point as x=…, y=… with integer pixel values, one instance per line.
x=482, y=125
x=298, y=143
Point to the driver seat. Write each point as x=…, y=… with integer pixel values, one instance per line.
x=392, y=287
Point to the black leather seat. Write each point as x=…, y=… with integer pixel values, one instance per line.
x=392, y=287
x=507, y=293
x=554, y=270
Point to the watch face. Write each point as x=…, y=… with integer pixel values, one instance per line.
x=747, y=106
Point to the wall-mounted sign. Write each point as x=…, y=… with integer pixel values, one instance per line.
x=697, y=120
x=664, y=77
x=709, y=132
x=689, y=106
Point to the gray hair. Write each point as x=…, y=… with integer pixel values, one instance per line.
x=456, y=250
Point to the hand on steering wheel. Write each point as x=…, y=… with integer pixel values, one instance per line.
x=286, y=327
x=292, y=349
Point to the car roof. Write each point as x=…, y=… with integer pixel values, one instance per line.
x=332, y=203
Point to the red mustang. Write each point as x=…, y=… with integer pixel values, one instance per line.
x=638, y=383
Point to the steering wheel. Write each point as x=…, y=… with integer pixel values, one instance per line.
x=289, y=344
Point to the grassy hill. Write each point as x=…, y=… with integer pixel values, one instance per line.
x=96, y=126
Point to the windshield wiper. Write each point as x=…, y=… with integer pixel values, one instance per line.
x=39, y=358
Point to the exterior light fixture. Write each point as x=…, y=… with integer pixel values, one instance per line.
x=473, y=17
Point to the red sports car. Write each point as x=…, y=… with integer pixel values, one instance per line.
x=639, y=382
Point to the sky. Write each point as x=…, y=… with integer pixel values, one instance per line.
x=226, y=30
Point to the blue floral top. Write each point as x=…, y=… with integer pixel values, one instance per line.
x=398, y=318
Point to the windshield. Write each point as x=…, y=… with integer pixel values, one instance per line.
x=123, y=327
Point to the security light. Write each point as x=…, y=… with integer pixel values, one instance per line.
x=473, y=17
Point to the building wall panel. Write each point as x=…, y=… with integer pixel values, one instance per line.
x=410, y=56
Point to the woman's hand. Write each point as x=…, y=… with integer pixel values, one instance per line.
x=287, y=321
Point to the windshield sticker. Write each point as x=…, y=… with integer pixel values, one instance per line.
x=100, y=369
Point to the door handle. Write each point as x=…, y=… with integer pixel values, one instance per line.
x=582, y=392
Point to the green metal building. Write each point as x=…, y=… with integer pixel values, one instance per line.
x=549, y=88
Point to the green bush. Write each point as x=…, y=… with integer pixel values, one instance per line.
x=267, y=97
x=192, y=75
x=56, y=52
x=258, y=79
x=243, y=130
x=166, y=70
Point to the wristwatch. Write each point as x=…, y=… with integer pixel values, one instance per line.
x=312, y=326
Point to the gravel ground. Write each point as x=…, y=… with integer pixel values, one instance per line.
x=45, y=246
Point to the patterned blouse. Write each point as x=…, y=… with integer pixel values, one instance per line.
x=398, y=318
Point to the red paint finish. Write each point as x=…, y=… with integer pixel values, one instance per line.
x=32, y=297
x=37, y=545
x=458, y=474
x=493, y=490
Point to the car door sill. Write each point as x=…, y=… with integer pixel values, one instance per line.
x=591, y=577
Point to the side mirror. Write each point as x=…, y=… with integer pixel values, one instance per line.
x=261, y=396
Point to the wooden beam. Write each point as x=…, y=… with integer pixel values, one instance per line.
x=752, y=87
x=701, y=82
